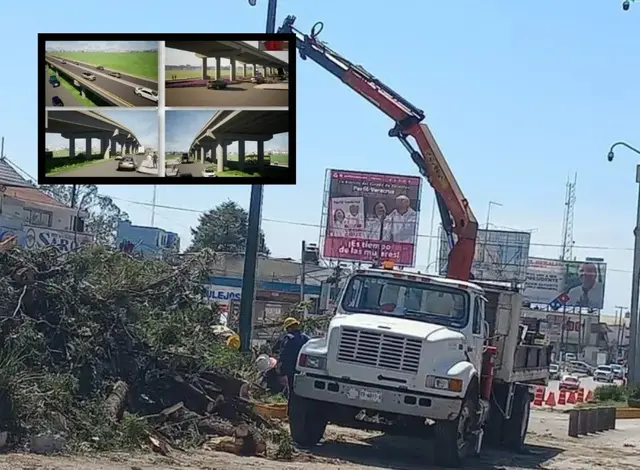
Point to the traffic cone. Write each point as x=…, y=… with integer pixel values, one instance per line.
x=562, y=397
x=580, y=397
x=589, y=396
x=538, y=397
x=572, y=398
x=551, y=399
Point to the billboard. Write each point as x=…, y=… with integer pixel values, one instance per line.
x=371, y=217
x=577, y=328
x=571, y=283
x=501, y=255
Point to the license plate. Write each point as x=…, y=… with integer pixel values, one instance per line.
x=364, y=395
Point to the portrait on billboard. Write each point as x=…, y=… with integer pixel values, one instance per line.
x=585, y=284
x=372, y=217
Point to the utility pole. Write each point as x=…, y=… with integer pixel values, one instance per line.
x=303, y=270
x=2, y=148
x=621, y=325
x=153, y=205
x=74, y=192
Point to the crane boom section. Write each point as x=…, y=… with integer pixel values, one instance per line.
x=457, y=218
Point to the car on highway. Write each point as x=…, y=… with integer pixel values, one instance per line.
x=115, y=74
x=603, y=373
x=569, y=382
x=100, y=67
x=554, y=372
x=209, y=172
x=618, y=371
x=53, y=80
x=217, y=84
x=257, y=80
x=89, y=76
x=118, y=157
x=147, y=93
x=127, y=163
x=580, y=367
x=56, y=101
x=64, y=61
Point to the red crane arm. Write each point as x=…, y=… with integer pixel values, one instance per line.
x=457, y=217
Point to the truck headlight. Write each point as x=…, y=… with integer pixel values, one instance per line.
x=312, y=362
x=443, y=383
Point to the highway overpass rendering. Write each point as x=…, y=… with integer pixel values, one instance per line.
x=116, y=142
x=209, y=147
x=267, y=84
x=75, y=83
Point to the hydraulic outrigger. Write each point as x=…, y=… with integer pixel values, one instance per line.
x=458, y=220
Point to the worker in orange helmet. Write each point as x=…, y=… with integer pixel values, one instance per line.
x=291, y=346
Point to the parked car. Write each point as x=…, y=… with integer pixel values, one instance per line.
x=89, y=76
x=127, y=163
x=569, y=382
x=115, y=74
x=53, y=80
x=580, y=367
x=603, y=373
x=56, y=101
x=618, y=371
x=216, y=84
x=147, y=93
x=554, y=372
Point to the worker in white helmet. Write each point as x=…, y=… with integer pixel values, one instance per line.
x=270, y=379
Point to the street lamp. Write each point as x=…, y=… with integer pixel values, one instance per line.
x=491, y=203
x=634, y=373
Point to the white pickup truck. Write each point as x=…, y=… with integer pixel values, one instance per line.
x=416, y=353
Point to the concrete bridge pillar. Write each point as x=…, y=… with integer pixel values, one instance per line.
x=220, y=157
x=87, y=147
x=233, y=70
x=241, y=154
x=72, y=147
x=204, y=68
x=127, y=147
x=218, y=69
x=255, y=69
x=201, y=154
x=104, y=148
x=260, y=145
x=244, y=70
x=113, y=148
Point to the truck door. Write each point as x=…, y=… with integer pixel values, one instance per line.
x=478, y=333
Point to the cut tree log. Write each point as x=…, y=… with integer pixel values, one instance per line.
x=114, y=404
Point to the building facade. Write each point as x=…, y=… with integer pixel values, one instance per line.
x=147, y=242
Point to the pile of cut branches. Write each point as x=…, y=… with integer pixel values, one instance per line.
x=111, y=352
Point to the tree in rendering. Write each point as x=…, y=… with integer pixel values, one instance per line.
x=104, y=214
x=224, y=229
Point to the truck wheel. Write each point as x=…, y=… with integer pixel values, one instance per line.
x=515, y=428
x=307, y=421
x=454, y=441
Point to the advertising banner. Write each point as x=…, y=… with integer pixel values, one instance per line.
x=577, y=328
x=501, y=255
x=38, y=237
x=570, y=283
x=372, y=217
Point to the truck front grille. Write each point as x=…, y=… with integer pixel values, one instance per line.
x=387, y=351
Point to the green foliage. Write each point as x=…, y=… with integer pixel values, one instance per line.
x=224, y=229
x=610, y=393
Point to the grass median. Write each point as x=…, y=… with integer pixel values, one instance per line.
x=81, y=99
x=180, y=74
x=59, y=165
x=143, y=64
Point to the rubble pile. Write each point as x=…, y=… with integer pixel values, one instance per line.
x=103, y=351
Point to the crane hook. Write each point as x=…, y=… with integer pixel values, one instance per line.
x=316, y=29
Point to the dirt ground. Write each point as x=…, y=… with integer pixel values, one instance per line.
x=549, y=448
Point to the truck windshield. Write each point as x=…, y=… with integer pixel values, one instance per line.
x=413, y=300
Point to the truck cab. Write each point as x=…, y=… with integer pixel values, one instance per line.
x=406, y=349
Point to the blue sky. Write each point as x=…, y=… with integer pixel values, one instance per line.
x=518, y=94
x=144, y=125
x=101, y=46
x=182, y=126
x=178, y=57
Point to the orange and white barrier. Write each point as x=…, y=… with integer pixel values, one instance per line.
x=538, y=398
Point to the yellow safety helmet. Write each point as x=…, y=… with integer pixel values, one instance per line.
x=289, y=322
x=233, y=341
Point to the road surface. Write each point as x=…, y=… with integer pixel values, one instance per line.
x=548, y=447
x=241, y=94
x=104, y=168
x=65, y=95
x=113, y=85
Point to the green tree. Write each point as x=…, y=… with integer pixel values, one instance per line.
x=104, y=214
x=224, y=229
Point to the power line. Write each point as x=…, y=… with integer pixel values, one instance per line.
x=306, y=224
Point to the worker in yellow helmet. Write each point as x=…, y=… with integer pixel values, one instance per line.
x=233, y=341
x=291, y=345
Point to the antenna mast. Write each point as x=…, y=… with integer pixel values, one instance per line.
x=567, y=224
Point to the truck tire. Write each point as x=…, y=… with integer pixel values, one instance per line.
x=452, y=441
x=515, y=428
x=307, y=422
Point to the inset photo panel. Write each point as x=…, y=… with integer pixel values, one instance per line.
x=107, y=144
x=226, y=146
x=220, y=74
x=100, y=73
